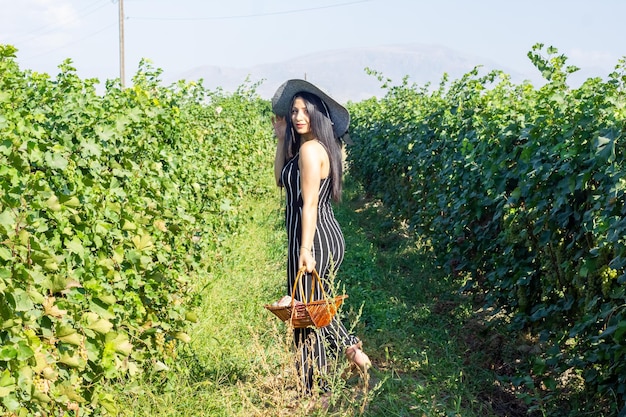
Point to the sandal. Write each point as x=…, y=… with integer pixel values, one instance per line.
x=358, y=357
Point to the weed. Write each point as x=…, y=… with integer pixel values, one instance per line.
x=417, y=327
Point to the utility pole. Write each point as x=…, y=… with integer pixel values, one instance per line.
x=121, y=13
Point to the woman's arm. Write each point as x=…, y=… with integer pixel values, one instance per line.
x=312, y=163
x=279, y=159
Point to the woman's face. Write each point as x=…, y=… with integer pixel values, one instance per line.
x=300, y=118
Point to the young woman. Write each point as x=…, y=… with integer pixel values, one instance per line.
x=308, y=163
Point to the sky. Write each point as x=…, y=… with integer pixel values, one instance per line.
x=180, y=35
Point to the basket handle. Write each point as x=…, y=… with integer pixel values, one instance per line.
x=314, y=277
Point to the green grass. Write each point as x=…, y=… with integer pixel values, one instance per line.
x=431, y=354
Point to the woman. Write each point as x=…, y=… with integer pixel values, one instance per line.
x=308, y=163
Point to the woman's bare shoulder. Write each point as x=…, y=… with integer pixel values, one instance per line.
x=313, y=148
x=313, y=155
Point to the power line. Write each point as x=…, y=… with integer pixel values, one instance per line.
x=250, y=15
x=53, y=27
x=91, y=35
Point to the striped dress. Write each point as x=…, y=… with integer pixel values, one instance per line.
x=314, y=346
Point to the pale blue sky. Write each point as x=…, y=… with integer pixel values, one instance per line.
x=179, y=35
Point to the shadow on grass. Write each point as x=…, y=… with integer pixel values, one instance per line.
x=419, y=329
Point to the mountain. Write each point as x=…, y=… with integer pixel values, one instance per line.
x=341, y=73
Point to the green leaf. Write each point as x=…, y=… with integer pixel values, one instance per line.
x=605, y=149
x=160, y=366
x=64, y=330
x=75, y=246
x=101, y=309
x=128, y=225
x=40, y=397
x=7, y=353
x=7, y=220
x=73, y=360
x=35, y=296
x=191, y=316
x=69, y=391
x=101, y=326
x=91, y=149
x=22, y=300
x=226, y=205
x=7, y=383
x=107, y=299
x=72, y=202
x=5, y=253
x=119, y=343
x=53, y=203
x=620, y=331
x=118, y=254
x=105, y=133
x=56, y=160
x=109, y=403
x=24, y=352
x=75, y=339
x=182, y=336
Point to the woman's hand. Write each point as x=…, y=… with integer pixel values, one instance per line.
x=280, y=124
x=306, y=260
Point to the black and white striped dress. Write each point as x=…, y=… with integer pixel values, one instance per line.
x=314, y=346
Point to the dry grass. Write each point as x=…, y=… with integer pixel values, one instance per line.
x=272, y=390
x=428, y=358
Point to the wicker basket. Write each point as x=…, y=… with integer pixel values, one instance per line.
x=317, y=313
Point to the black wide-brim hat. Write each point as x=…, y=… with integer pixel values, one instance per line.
x=284, y=94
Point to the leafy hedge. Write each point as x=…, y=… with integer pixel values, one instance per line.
x=110, y=207
x=523, y=188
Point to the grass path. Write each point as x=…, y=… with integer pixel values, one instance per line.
x=431, y=356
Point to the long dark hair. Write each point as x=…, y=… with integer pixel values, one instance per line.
x=322, y=129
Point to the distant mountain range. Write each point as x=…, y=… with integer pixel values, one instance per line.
x=341, y=73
